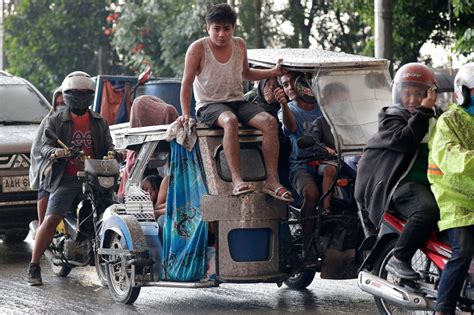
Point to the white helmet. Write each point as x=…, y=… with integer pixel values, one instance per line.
x=78, y=80
x=463, y=83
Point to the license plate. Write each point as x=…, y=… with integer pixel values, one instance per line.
x=15, y=184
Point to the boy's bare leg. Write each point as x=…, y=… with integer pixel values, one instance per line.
x=41, y=208
x=229, y=122
x=44, y=236
x=328, y=177
x=270, y=145
x=308, y=209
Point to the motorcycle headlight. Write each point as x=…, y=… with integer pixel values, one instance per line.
x=106, y=182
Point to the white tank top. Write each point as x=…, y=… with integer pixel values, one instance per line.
x=219, y=82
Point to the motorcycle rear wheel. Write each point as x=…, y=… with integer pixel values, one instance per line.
x=420, y=263
x=301, y=280
x=119, y=274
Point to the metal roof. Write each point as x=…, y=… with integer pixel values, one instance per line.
x=305, y=59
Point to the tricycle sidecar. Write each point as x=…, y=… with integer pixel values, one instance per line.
x=256, y=235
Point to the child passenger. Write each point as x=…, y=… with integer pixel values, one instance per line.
x=157, y=187
x=332, y=93
x=38, y=163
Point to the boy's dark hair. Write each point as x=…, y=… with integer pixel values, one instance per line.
x=221, y=13
x=292, y=74
x=155, y=181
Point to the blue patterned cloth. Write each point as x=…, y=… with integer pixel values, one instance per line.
x=184, y=233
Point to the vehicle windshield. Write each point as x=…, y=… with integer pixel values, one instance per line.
x=351, y=101
x=21, y=104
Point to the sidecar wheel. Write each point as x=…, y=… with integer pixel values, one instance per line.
x=300, y=280
x=119, y=274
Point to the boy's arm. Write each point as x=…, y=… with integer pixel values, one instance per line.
x=257, y=74
x=191, y=68
x=287, y=117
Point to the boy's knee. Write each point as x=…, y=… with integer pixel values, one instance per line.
x=330, y=171
x=267, y=123
x=51, y=221
x=230, y=121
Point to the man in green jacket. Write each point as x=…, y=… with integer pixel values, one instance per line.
x=451, y=174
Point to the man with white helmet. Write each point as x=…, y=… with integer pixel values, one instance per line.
x=451, y=174
x=82, y=128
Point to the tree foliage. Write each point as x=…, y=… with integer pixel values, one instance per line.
x=414, y=24
x=464, y=40
x=158, y=33
x=47, y=39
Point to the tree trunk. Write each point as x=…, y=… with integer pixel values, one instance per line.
x=102, y=61
x=259, y=43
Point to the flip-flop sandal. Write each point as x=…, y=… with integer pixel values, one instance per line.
x=240, y=189
x=274, y=194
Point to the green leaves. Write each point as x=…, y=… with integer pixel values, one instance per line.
x=45, y=40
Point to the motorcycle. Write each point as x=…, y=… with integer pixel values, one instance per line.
x=337, y=236
x=395, y=295
x=75, y=242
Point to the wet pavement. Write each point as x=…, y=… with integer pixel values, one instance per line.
x=81, y=293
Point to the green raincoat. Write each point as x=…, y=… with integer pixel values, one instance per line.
x=451, y=167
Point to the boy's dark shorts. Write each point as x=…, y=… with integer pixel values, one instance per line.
x=65, y=197
x=243, y=110
x=302, y=177
x=41, y=192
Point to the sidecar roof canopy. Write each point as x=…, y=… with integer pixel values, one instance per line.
x=304, y=59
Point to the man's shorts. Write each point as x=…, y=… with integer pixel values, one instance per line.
x=65, y=197
x=302, y=177
x=323, y=166
x=41, y=192
x=243, y=110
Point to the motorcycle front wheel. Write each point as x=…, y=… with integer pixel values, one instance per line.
x=101, y=269
x=420, y=263
x=119, y=273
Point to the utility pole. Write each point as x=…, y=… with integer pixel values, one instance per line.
x=383, y=10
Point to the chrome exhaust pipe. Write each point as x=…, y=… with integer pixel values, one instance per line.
x=393, y=293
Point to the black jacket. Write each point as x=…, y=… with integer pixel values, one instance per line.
x=61, y=125
x=388, y=155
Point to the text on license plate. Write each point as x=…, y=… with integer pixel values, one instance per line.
x=15, y=183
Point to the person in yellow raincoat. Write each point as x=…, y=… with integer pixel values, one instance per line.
x=451, y=174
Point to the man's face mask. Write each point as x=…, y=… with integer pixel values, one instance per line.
x=60, y=109
x=78, y=100
x=470, y=107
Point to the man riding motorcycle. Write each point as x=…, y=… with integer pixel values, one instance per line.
x=82, y=128
x=392, y=170
x=451, y=174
